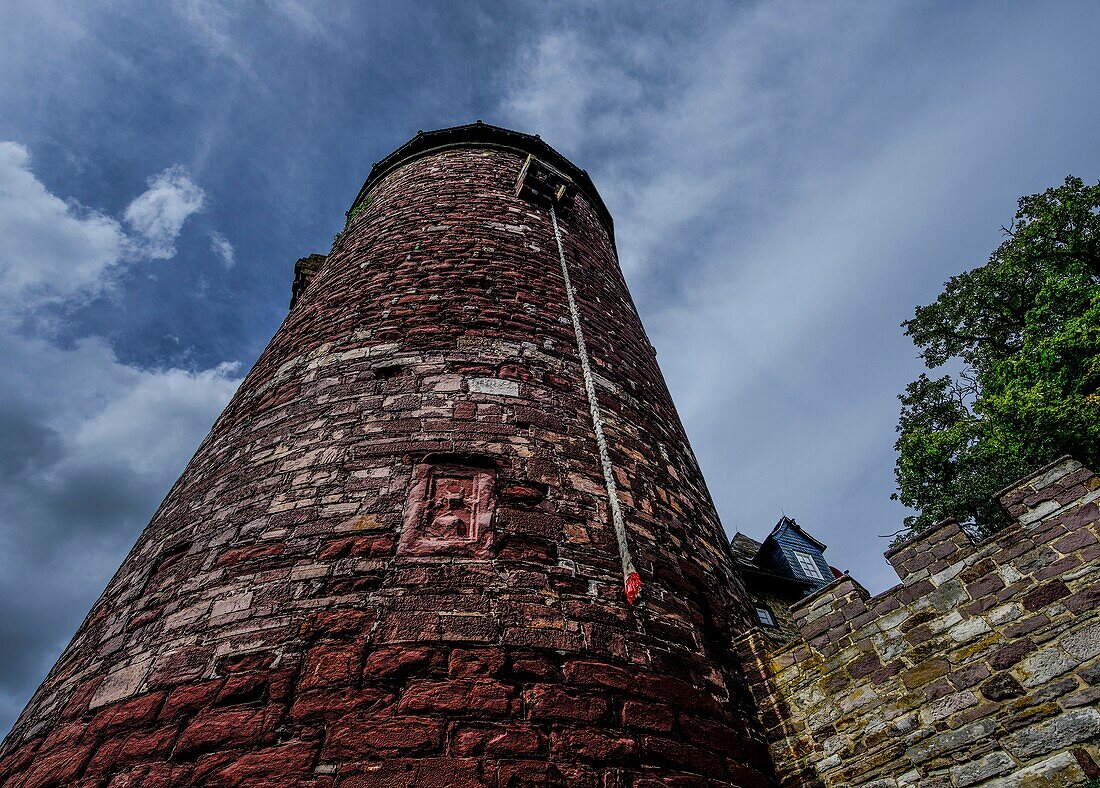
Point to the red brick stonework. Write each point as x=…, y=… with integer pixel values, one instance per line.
x=391, y=562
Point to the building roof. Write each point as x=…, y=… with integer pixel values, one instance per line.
x=744, y=547
x=788, y=523
x=484, y=135
x=755, y=558
x=746, y=552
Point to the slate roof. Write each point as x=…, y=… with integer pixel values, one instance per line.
x=755, y=558
x=746, y=552
x=787, y=522
x=744, y=547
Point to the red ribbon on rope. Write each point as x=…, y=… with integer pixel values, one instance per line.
x=633, y=587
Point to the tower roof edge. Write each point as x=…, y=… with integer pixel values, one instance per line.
x=485, y=135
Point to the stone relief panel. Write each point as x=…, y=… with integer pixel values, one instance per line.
x=449, y=510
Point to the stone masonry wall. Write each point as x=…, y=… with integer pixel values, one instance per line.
x=982, y=668
x=391, y=563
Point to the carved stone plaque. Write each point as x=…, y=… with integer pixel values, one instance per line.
x=449, y=510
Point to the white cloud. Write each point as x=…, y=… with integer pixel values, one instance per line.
x=55, y=249
x=97, y=408
x=221, y=246
x=102, y=408
x=305, y=20
x=156, y=216
x=50, y=248
x=90, y=443
x=175, y=405
x=569, y=91
x=145, y=420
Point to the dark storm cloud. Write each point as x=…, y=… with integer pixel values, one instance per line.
x=787, y=180
x=29, y=444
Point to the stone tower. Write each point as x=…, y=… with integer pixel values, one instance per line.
x=409, y=551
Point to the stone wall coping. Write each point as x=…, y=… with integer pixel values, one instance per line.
x=812, y=608
x=999, y=495
x=1031, y=498
x=922, y=536
x=1024, y=481
x=832, y=589
x=929, y=551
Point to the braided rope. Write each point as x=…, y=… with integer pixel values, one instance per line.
x=631, y=580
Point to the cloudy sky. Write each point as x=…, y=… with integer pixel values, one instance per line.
x=788, y=181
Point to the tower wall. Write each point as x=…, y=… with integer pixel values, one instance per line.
x=391, y=560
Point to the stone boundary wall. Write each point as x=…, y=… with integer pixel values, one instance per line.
x=980, y=668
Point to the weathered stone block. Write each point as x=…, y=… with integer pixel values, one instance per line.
x=548, y=702
x=493, y=387
x=1009, y=655
x=925, y=672
x=948, y=705
x=949, y=741
x=129, y=714
x=1072, y=727
x=57, y=767
x=647, y=716
x=232, y=604
x=471, y=663
x=1045, y=594
x=218, y=729
x=1083, y=644
x=268, y=766
x=1057, y=771
x=351, y=738
x=121, y=683
x=471, y=697
x=331, y=664
x=592, y=745
x=991, y=765
x=498, y=741
x=1002, y=687
x=1044, y=665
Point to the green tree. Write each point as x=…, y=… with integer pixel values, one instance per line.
x=1020, y=336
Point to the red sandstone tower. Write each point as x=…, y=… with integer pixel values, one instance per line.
x=404, y=552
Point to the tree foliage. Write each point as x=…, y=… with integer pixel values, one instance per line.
x=1020, y=336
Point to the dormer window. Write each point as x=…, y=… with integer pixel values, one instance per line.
x=808, y=565
x=764, y=616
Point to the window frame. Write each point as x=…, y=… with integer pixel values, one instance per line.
x=767, y=611
x=799, y=555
